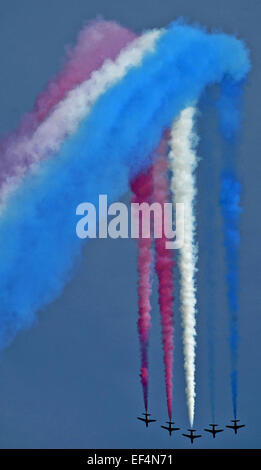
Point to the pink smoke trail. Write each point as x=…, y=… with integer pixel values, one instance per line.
x=96, y=42
x=142, y=187
x=164, y=268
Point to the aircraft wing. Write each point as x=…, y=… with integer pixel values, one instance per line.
x=152, y=420
x=165, y=427
x=187, y=435
x=142, y=419
x=208, y=430
x=219, y=430
x=231, y=427
x=198, y=435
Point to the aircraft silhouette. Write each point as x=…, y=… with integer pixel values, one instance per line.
x=169, y=427
x=214, y=431
x=235, y=426
x=192, y=436
x=146, y=420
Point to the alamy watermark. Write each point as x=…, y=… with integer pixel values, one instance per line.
x=144, y=220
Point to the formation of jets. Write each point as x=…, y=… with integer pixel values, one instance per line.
x=213, y=427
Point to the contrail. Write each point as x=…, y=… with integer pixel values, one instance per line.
x=120, y=129
x=142, y=188
x=20, y=154
x=69, y=113
x=97, y=41
x=230, y=104
x=164, y=268
x=183, y=162
x=229, y=200
x=208, y=172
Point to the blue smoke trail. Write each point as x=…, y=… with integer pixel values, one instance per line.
x=211, y=305
x=229, y=200
x=230, y=105
x=38, y=243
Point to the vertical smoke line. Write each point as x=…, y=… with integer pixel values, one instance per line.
x=183, y=161
x=209, y=241
x=164, y=268
x=142, y=187
x=229, y=201
x=230, y=105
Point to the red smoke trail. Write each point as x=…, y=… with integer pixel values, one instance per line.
x=164, y=268
x=142, y=188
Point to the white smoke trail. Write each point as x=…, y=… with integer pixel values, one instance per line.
x=68, y=114
x=183, y=162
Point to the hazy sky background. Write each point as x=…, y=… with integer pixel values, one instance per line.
x=72, y=380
